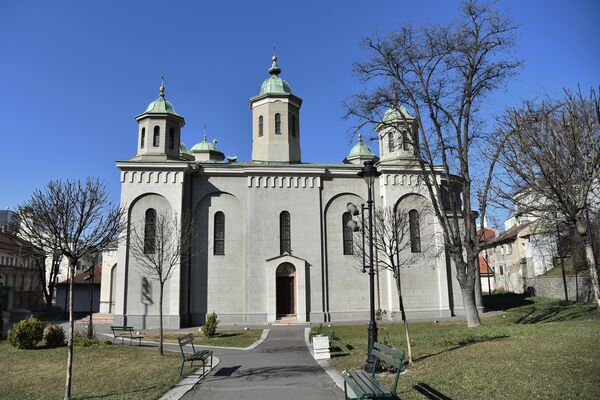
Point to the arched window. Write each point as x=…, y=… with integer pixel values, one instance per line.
x=171, y=139
x=293, y=125
x=277, y=124
x=150, y=231
x=347, y=234
x=285, y=240
x=143, y=138
x=391, y=145
x=260, y=126
x=219, y=234
x=405, y=141
x=415, y=231
x=156, y=137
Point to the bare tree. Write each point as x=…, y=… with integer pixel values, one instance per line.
x=551, y=158
x=391, y=241
x=158, y=246
x=78, y=220
x=442, y=73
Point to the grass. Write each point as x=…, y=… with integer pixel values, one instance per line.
x=538, y=349
x=230, y=338
x=107, y=372
x=569, y=269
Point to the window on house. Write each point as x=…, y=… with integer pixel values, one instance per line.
x=143, y=138
x=278, y=124
x=501, y=270
x=150, y=231
x=260, y=126
x=219, y=234
x=171, y=139
x=285, y=241
x=156, y=137
x=415, y=231
x=391, y=145
x=347, y=234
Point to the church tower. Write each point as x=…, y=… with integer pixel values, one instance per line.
x=275, y=121
x=159, y=130
x=396, y=131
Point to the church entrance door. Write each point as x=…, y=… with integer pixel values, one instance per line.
x=285, y=290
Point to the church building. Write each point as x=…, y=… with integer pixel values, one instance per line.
x=271, y=238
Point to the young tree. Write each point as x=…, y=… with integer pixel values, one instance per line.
x=158, y=247
x=391, y=241
x=78, y=220
x=442, y=73
x=551, y=159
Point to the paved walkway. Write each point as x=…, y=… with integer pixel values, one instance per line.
x=279, y=368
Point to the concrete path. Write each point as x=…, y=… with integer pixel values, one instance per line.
x=280, y=368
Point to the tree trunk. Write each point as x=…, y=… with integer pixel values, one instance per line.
x=160, y=306
x=404, y=321
x=583, y=229
x=468, y=297
x=72, y=264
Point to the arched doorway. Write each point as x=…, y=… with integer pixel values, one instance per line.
x=285, y=289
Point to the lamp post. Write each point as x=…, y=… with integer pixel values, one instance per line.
x=369, y=173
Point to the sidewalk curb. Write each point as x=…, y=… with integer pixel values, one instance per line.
x=329, y=369
x=187, y=383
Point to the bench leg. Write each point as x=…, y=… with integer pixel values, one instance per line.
x=181, y=370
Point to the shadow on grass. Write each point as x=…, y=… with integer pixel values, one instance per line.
x=430, y=392
x=505, y=301
x=556, y=313
x=119, y=393
x=463, y=343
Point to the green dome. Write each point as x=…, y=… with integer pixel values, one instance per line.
x=182, y=148
x=275, y=84
x=360, y=149
x=160, y=106
x=395, y=114
x=205, y=145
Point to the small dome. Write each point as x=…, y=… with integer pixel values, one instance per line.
x=360, y=149
x=160, y=106
x=395, y=114
x=205, y=145
x=275, y=84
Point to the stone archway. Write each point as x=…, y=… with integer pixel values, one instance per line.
x=285, y=290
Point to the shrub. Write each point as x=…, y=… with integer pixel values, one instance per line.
x=210, y=327
x=26, y=333
x=54, y=336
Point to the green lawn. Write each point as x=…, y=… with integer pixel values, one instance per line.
x=106, y=372
x=229, y=338
x=538, y=349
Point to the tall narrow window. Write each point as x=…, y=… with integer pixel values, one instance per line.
x=391, y=145
x=156, y=137
x=347, y=234
x=415, y=231
x=219, y=239
x=260, y=126
x=143, y=138
x=293, y=125
x=405, y=141
x=171, y=139
x=285, y=241
x=278, y=124
x=150, y=231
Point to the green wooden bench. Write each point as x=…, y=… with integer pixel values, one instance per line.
x=365, y=385
x=125, y=332
x=201, y=355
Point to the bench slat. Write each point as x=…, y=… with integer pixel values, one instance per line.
x=395, y=362
x=367, y=385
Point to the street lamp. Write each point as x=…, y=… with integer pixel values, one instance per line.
x=369, y=173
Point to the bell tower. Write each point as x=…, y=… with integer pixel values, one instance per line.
x=275, y=120
x=159, y=130
x=397, y=131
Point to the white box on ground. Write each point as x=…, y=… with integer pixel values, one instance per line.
x=321, y=347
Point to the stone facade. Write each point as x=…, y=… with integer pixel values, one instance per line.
x=242, y=282
x=578, y=289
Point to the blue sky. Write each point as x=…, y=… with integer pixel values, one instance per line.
x=75, y=73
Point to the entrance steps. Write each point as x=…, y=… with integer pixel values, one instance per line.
x=97, y=318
